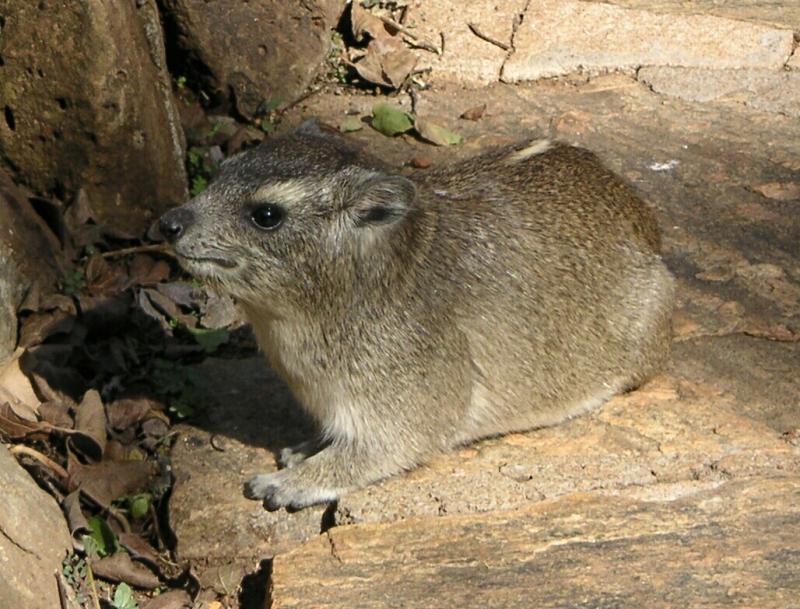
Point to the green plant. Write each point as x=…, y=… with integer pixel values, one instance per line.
x=73, y=282
x=123, y=597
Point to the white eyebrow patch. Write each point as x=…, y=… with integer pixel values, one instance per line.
x=286, y=191
x=535, y=147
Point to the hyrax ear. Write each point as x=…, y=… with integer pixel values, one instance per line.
x=382, y=199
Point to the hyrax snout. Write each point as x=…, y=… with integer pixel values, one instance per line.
x=412, y=315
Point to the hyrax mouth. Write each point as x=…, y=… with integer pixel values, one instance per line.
x=191, y=261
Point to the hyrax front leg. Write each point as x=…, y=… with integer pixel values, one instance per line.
x=322, y=477
x=292, y=455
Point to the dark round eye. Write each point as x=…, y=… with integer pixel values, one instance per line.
x=268, y=217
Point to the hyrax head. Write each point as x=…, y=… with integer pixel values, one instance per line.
x=290, y=215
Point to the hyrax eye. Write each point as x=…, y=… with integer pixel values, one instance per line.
x=268, y=217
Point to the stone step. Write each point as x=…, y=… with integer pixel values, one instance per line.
x=733, y=545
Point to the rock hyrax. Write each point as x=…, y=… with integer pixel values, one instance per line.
x=413, y=315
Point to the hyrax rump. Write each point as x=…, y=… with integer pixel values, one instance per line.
x=411, y=315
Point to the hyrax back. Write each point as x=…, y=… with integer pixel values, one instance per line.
x=408, y=316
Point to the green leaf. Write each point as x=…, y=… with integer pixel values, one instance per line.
x=210, y=339
x=139, y=505
x=436, y=134
x=123, y=597
x=390, y=120
x=351, y=123
x=103, y=537
x=270, y=105
x=199, y=184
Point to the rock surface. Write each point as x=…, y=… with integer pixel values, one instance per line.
x=732, y=545
x=465, y=57
x=87, y=103
x=33, y=540
x=557, y=38
x=260, y=51
x=221, y=532
x=769, y=90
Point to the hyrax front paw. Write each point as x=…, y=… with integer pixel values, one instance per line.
x=283, y=489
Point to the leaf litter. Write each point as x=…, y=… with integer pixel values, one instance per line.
x=87, y=403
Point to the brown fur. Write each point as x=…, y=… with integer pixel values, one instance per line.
x=514, y=290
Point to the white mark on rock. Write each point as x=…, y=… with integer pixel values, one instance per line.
x=671, y=164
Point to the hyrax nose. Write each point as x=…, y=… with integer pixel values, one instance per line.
x=174, y=223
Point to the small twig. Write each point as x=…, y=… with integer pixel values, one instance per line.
x=90, y=576
x=157, y=247
x=20, y=449
x=415, y=40
x=62, y=591
x=474, y=29
x=412, y=93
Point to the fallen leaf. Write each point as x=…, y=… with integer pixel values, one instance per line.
x=16, y=389
x=78, y=525
x=436, y=134
x=90, y=426
x=139, y=549
x=174, y=599
x=119, y=567
x=370, y=68
x=105, y=541
x=475, y=113
x=421, y=162
x=128, y=412
x=146, y=270
x=57, y=414
x=110, y=480
x=350, y=123
x=218, y=311
x=363, y=22
x=397, y=65
x=390, y=121
x=179, y=292
x=13, y=426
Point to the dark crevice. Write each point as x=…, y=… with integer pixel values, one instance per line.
x=328, y=520
x=255, y=592
x=10, y=120
x=184, y=63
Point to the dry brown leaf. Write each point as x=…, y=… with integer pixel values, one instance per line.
x=109, y=480
x=119, y=567
x=475, y=113
x=90, y=426
x=397, y=65
x=174, y=599
x=17, y=390
x=371, y=69
x=78, y=524
x=139, y=549
x=127, y=412
x=39, y=326
x=363, y=22
x=13, y=426
x=57, y=414
x=147, y=270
